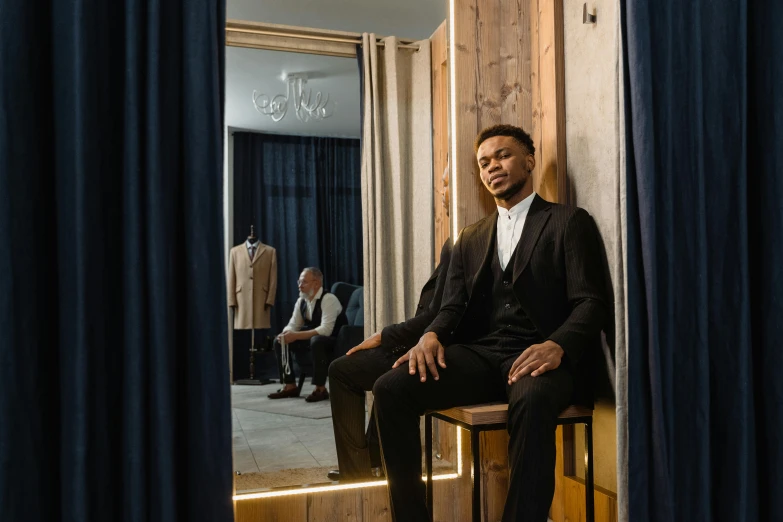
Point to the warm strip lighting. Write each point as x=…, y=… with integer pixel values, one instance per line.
x=313, y=489
x=454, y=174
x=341, y=487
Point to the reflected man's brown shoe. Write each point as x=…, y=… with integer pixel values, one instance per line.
x=284, y=394
x=317, y=396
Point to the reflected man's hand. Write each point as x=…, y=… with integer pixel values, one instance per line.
x=423, y=356
x=373, y=341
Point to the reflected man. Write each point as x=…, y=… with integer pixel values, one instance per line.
x=310, y=328
x=350, y=376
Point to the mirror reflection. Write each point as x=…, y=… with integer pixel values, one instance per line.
x=305, y=247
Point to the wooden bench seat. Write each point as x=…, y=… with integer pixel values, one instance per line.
x=494, y=416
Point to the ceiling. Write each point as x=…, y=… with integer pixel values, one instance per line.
x=261, y=70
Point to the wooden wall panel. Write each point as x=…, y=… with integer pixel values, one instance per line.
x=494, y=473
x=375, y=505
x=548, y=95
x=492, y=71
x=605, y=503
x=452, y=497
x=243, y=33
x=440, y=123
x=339, y=505
x=278, y=509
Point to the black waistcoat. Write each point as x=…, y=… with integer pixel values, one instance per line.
x=509, y=328
x=315, y=320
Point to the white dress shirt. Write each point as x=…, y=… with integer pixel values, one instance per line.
x=252, y=248
x=510, y=225
x=330, y=310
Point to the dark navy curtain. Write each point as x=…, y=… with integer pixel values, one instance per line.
x=114, y=396
x=704, y=112
x=303, y=194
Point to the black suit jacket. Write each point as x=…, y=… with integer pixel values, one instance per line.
x=401, y=336
x=558, y=279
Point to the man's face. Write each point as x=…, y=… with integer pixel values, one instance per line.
x=505, y=166
x=308, y=284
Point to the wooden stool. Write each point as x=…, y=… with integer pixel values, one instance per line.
x=489, y=417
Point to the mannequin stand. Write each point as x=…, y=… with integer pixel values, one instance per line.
x=252, y=380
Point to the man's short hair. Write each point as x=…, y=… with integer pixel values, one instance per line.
x=522, y=137
x=316, y=273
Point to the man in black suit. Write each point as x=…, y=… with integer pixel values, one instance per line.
x=522, y=311
x=350, y=376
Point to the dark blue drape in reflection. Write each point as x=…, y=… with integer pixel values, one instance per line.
x=303, y=194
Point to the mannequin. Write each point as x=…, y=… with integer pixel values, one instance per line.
x=251, y=290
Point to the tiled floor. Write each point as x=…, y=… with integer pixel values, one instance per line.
x=271, y=435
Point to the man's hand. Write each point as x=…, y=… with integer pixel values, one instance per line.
x=537, y=359
x=423, y=356
x=374, y=341
x=288, y=337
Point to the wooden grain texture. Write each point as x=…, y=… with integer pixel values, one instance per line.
x=498, y=412
x=440, y=124
x=375, y=505
x=605, y=503
x=289, y=38
x=278, y=509
x=241, y=33
x=478, y=415
x=338, y=506
x=557, y=510
x=548, y=99
x=293, y=45
x=492, y=71
x=447, y=437
x=494, y=473
x=452, y=498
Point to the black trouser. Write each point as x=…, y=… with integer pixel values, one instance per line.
x=350, y=377
x=316, y=353
x=473, y=375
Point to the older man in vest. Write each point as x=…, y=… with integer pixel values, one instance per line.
x=310, y=327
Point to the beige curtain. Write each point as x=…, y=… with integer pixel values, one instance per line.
x=397, y=198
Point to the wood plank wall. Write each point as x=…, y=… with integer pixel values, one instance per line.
x=452, y=498
x=492, y=68
x=509, y=68
x=440, y=124
x=548, y=88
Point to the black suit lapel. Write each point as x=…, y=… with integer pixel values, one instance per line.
x=536, y=219
x=485, y=233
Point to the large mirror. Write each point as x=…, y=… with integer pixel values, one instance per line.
x=300, y=234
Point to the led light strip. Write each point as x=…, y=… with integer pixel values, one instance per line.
x=454, y=174
x=341, y=487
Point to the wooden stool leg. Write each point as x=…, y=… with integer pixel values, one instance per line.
x=428, y=459
x=589, y=487
x=475, y=477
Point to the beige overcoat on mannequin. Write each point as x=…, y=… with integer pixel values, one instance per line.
x=252, y=285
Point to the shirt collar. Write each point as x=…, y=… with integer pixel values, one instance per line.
x=519, y=208
x=249, y=244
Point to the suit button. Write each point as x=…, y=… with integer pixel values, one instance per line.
x=506, y=283
x=508, y=306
